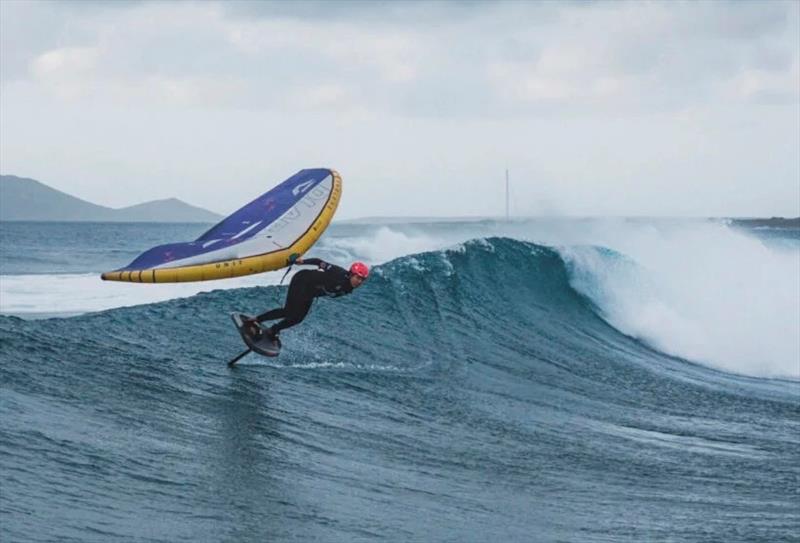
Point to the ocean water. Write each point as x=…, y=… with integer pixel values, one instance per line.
x=538, y=380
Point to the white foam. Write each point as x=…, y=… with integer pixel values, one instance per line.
x=701, y=291
x=41, y=295
x=73, y=294
x=255, y=360
x=382, y=244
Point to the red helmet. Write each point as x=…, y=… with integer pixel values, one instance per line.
x=360, y=269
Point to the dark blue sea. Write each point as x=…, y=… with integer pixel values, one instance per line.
x=599, y=380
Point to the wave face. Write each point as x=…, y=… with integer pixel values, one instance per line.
x=718, y=295
x=464, y=394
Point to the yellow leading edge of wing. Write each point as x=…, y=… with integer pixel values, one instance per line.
x=225, y=269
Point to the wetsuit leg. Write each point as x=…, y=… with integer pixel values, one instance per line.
x=298, y=302
x=295, y=314
x=271, y=315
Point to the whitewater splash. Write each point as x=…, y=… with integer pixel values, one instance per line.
x=705, y=294
x=701, y=290
x=63, y=295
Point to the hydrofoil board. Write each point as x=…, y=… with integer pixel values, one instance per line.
x=259, y=342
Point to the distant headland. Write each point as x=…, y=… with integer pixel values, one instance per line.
x=774, y=222
x=23, y=199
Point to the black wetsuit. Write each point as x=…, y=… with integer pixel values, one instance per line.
x=329, y=280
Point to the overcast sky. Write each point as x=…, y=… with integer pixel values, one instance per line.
x=639, y=108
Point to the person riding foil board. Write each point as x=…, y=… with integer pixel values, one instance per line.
x=329, y=280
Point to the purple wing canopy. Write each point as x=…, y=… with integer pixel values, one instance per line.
x=240, y=227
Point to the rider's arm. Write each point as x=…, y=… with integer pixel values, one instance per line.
x=321, y=264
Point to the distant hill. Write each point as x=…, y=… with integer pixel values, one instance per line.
x=774, y=222
x=23, y=199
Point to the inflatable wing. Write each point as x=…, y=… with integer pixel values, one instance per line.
x=259, y=237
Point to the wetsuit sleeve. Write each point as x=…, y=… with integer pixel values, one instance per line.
x=321, y=264
x=313, y=262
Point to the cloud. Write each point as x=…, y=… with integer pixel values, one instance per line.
x=767, y=86
x=358, y=11
x=584, y=100
x=391, y=55
x=321, y=97
x=462, y=59
x=66, y=72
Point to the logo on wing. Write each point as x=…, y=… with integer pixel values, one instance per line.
x=302, y=187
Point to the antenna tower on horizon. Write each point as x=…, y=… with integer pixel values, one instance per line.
x=507, y=215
